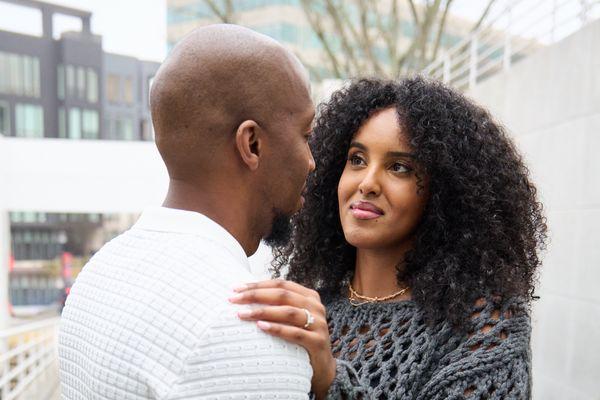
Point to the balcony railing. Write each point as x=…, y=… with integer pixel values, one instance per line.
x=517, y=29
x=28, y=362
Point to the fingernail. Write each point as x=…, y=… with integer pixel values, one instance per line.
x=263, y=325
x=244, y=313
x=240, y=287
x=235, y=298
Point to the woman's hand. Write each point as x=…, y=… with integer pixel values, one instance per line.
x=284, y=316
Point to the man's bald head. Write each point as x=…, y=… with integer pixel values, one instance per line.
x=214, y=79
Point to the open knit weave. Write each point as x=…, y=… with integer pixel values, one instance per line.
x=387, y=351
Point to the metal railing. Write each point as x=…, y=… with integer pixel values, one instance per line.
x=28, y=360
x=517, y=29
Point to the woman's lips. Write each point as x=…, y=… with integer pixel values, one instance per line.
x=365, y=210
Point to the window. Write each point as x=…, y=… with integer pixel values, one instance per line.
x=60, y=82
x=62, y=123
x=92, y=86
x=19, y=74
x=4, y=118
x=70, y=80
x=81, y=82
x=90, y=124
x=29, y=120
x=128, y=90
x=124, y=129
x=4, y=73
x=112, y=88
x=146, y=130
x=74, y=123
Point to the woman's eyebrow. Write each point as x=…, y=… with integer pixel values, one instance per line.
x=358, y=145
x=399, y=154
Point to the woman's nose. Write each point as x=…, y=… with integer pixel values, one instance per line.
x=370, y=184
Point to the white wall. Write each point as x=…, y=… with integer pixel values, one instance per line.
x=56, y=175
x=551, y=104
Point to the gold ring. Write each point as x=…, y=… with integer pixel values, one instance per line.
x=309, y=319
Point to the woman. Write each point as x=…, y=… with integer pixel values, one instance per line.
x=414, y=258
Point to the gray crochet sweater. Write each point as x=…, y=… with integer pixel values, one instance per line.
x=386, y=351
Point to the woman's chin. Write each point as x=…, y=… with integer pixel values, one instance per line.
x=364, y=240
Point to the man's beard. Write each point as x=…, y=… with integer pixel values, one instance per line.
x=281, y=230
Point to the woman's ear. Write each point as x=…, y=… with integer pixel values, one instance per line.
x=248, y=141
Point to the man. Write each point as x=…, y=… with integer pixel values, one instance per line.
x=148, y=318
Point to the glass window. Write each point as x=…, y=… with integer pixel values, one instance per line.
x=81, y=82
x=128, y=90
x=60, y=81
x=74, y=123
x=29, y=120
x=16, y=74
x=70, y=80
x=92, y=86
x=4, y=73
x=90, y=124
x=36, y=77
x=27, y=76
x=112, y=88
x=4, y=118
x=146, y=130
x=62, y=123
x=124, y=129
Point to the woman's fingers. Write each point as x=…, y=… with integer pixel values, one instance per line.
x=300, y=336
x=276, y=297
x=281, y=314
x=278, y=284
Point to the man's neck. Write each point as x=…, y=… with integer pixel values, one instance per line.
x=218, y=205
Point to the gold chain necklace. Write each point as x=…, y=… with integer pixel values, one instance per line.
x=358, y=300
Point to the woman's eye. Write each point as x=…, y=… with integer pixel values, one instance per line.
x=399, y=167
x=355, y=160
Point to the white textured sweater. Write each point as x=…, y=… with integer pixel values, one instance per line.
x=148, y=318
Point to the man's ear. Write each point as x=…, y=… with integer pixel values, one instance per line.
x=248, y=140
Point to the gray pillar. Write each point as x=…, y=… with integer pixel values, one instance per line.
x=86, y=26
x=47, y=26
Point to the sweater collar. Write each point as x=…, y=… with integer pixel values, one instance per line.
x=163, y=219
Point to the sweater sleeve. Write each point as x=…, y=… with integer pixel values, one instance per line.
x=493, y=363
x=233, y=358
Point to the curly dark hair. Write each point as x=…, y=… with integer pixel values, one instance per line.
x=482, y=227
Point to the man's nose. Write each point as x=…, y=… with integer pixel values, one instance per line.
x=311, y=161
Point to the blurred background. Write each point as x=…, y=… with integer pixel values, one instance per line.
x=78, y=163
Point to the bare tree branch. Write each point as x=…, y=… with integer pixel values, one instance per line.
x=441, y=29
x=226, y=16
x=483, y=15
x=315, y=23
x=358, y=37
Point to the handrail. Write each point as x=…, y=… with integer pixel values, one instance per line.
x=490, y=49
x=28, y=359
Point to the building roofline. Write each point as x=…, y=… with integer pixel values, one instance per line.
x=54, y=8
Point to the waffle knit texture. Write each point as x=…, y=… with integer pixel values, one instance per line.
x=387, y=351
x=148, y=318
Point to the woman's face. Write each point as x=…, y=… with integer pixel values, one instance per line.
x=380, y=203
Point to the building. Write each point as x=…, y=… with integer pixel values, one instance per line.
x=69, y=87
x=65, y=88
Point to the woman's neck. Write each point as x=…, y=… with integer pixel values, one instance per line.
x=375, y=273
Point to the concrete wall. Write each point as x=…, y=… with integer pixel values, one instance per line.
x=551, y=104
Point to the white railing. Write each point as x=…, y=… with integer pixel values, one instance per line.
x=28, y=362
x=515, y=29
